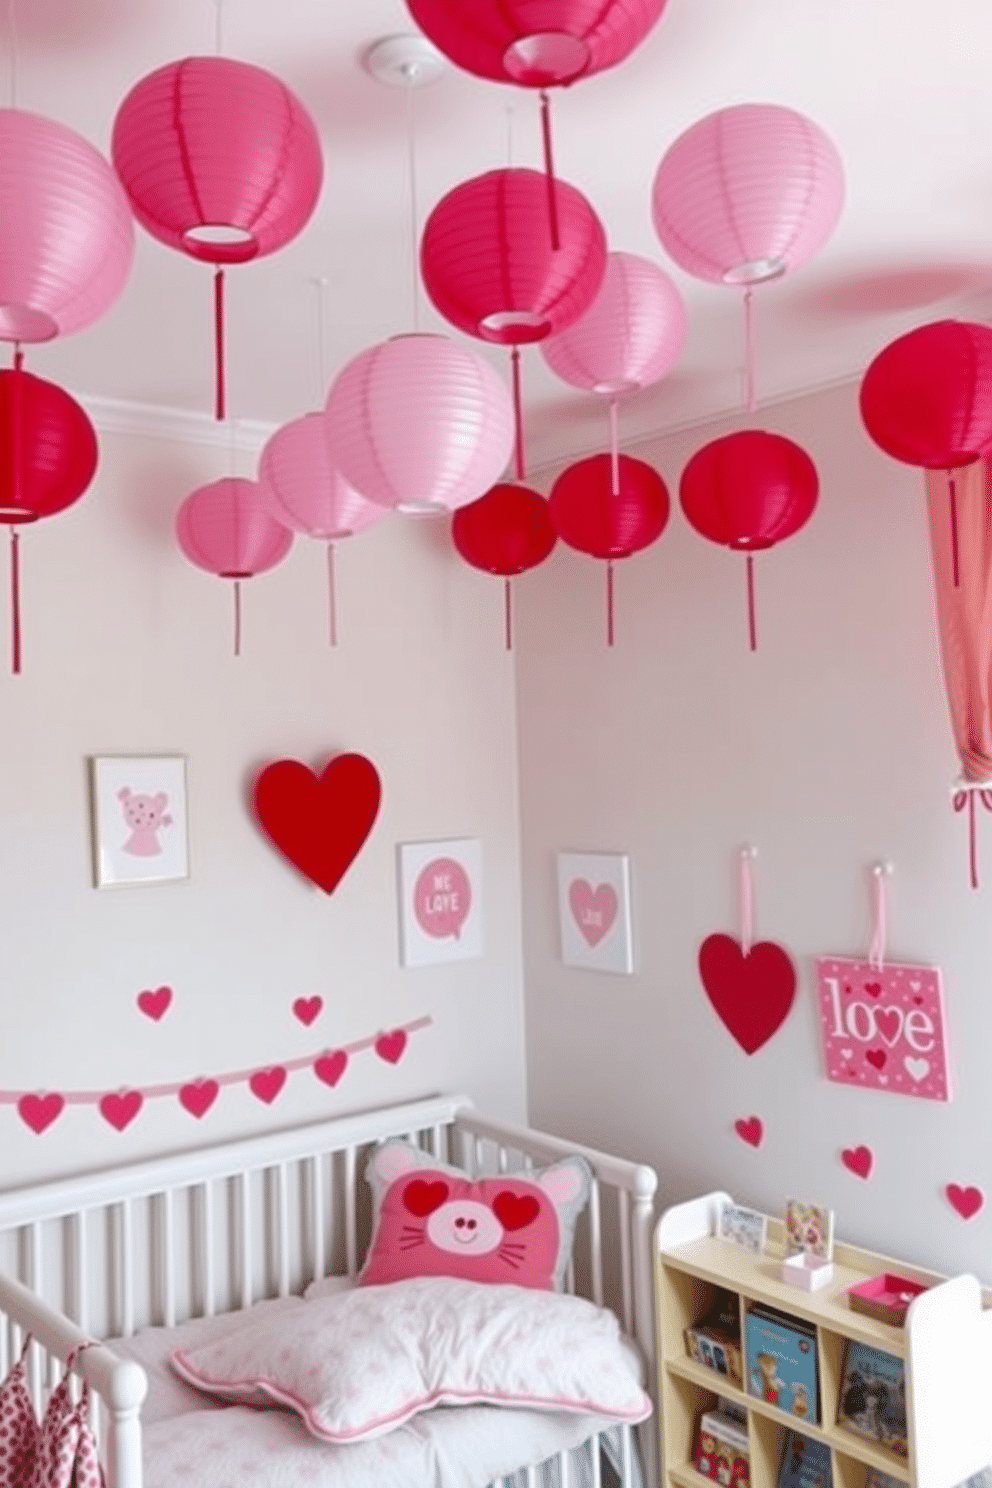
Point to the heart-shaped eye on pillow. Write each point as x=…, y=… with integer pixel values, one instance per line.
x=423, y=1198
x=514, y=1211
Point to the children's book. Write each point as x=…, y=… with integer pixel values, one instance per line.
x=873, y=1396
x=805, y=1463
x=781, y=1362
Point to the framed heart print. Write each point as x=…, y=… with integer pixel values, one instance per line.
x=594, y=911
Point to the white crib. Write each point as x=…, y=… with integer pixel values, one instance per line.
x=217, y=1228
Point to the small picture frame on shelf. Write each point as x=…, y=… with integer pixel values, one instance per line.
x=744, y=1227
x=808, y=1229
x=139, y=819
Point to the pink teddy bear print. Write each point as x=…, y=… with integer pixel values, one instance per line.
x=146, y=816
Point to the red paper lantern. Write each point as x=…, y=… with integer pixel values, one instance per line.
x=489, y=265
x=609, y=509
x=49, y=458
x=748, y=491
x=505, y=532
x=536, y=43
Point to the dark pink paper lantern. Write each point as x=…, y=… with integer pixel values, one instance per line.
x=505, y=532
x=609, y=508
x=749, y=491
x=536, y=43
x=66, y=231
x=488, y=263
x=48, y=457
x=225, y=528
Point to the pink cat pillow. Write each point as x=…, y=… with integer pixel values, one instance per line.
x=433, y=1220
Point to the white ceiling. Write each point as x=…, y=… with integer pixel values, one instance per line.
x=902, y=86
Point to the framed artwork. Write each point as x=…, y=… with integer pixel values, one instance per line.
x=808, y=1229
x=139, y=819
x=743, y=1226
x=440, y=901
x=594, y=911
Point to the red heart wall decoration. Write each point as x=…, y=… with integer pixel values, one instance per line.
x=39, y=1111
x=858, y=1160
x=967, y=1201
x=752, y=994
x=155, y=1004
x=319, y=822
x=750, y=1129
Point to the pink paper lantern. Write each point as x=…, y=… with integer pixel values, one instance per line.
x=536, y=43
x=420, y=424
x=67, y=236
x=225, y=528
x=630, y=336
x=489, y=263
x=303, y=488
x=747, y=193
x=219, y=158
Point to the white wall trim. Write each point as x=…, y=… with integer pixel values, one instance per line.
x=180, y=425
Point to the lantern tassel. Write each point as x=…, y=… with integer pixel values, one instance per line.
x=609, y=602
x=237, y=617
x=219, y=396
x=752, y=625
x=508, y=613
x=15, y=602
x=518, y=415
x=953, y=494
x=549, y=171
x=332, y=619
x=614, y=449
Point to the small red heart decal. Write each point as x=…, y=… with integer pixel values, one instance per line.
x=121, y=1107
x=307, y=1009
x=198, y=1096
x=155, y=1004
x=874, y=989
x=330, y=1067
x=751, y=994
x=514, y=1211
x=750, y=1129
x=422, y=1198
x=267, y=1083
x=859, y=1160
x=319, y=821
x=967, y=1201
x=875, y=1057
x=390, y=1046
x=39, y=1111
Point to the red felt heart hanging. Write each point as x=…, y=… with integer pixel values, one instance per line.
x=751, y=994
x=319, y=821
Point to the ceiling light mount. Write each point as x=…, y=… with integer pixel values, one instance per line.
x=407, y=61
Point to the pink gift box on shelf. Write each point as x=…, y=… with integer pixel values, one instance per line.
x=885, y=1296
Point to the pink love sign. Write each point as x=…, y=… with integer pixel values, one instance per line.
x=442, y=898
x=884, y=1028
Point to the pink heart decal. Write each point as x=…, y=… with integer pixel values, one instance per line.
x=39, y=1111
x=750, y=1129
x=307, y=1009
x=751, y=994
x=967, y=1201
x=874, y=989
x=330, y=1067
x=858, y=1160
x=155, y=1004
x=198, y=1096
x=267, y=1083
x=876, y=1057
x=121, y=1107
x=390, y=1046
x=593, y=910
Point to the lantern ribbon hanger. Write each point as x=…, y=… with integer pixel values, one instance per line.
x=963, y=795
x=876, y=947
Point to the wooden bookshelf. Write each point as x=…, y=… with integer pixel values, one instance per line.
x=946, y=1343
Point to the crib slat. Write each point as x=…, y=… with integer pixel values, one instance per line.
x=207, y=1248
x=350, y=1226
x=623, y=1203
x=317, y=1215
x=243, y=1226
x=282, y=1230
x=127, y=1267
x=597, y=1464
x=595, y=1244
x=168, y=1248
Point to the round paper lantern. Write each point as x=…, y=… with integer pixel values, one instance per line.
x=489, y=264
x=219, y=158
x=747, y=193
x=225, y=528
x=610, y=508
x=631, y=335
x=505, y=532
x=419, y=424
x=536, y=45
x=926, y=398
x=48, y=457
x=68, y=236
x=305, y=491
x=748, y=491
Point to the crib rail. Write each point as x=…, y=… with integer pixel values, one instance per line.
x=213, y=1230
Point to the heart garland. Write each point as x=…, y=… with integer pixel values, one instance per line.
x=319, y=822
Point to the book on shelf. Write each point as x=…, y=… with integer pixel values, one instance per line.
x=715, y=1341
x=722, y=1452
x=805, y=1463
x=781, y=1361
x=873, y=1396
